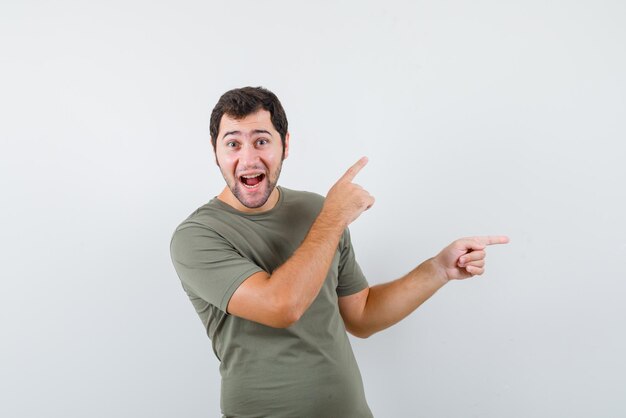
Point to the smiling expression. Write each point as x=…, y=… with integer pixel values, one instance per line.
x=250, y=155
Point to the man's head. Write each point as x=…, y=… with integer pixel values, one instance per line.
x=250, y=140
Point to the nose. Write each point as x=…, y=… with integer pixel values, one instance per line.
x=248, y=156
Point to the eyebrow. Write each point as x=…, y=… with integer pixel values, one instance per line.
x=256, y=131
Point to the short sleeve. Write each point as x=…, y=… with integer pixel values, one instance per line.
x=351, y=279
x=208, y=265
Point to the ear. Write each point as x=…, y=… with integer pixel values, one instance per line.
x=286, y=153
x=215, y=156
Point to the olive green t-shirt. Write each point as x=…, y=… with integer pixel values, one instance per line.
x=305, y=370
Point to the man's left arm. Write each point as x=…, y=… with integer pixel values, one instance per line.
x=378, y=307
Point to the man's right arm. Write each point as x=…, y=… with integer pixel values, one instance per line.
x=279, y=300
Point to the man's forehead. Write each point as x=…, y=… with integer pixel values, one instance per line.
x=261, y=119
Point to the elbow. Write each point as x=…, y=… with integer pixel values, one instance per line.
x=291, y=315
x=287, y=314
x=285, y=320
x=361, y=333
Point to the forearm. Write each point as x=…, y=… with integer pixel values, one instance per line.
x=391, y=302
x=298, y=281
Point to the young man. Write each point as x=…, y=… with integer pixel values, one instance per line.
x=272, y=274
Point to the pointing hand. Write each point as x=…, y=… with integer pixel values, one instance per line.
x=345, y=201
x=465, y=257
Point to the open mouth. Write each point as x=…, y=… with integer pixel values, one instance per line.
x=252, y=181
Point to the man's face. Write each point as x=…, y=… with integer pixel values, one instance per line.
x=249, y=153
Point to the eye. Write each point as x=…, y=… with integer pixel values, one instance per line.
x=231, y=144
x=262, y=141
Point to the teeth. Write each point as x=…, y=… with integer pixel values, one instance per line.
x=251, y=176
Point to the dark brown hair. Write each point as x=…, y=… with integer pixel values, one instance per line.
x=239, y=103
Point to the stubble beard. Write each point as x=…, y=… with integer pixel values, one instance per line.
x=236, y=188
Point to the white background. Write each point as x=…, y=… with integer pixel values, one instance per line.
x=479, y=117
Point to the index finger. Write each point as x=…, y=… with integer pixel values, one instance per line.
x=354, y=170
x=493, y=239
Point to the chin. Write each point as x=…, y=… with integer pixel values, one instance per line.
x=252, y=203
